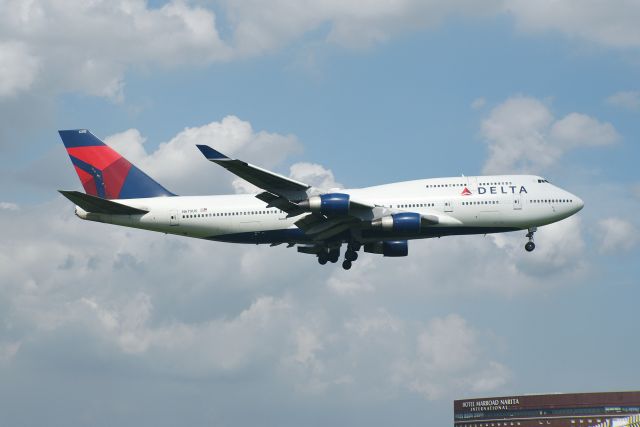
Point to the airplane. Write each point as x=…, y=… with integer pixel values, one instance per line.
x=379, y=219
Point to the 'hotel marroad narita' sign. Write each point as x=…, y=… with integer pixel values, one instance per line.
x=490, y=404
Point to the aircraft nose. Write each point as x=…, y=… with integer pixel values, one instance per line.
x=578, y=203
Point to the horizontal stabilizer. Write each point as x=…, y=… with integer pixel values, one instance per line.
x=98, y=205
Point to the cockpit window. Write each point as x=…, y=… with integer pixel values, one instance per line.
x=540, y=181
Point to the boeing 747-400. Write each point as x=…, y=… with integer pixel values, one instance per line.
x=379, y=219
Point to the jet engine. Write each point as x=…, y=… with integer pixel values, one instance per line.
x=404, y=223
x=391, y=248
x=330, y=204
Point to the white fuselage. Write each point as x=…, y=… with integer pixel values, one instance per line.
x=466, y=205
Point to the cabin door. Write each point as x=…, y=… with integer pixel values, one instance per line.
x=448, y=206
x=517, y=203
x=173, y=218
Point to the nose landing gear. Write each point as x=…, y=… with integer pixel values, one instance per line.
x=530, y=246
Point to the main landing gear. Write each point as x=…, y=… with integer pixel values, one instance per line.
x=329, y=255
x=333, y=254
x=350, y=256
x=530, y=246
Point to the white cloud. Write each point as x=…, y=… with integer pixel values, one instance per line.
x=448, y=344
x=9, y=206
x=449, y=347
x=575, y=130
x=629, y=100
x=205, y=348
x=354, y=283
x=523, y=135
x=559, y=250
x=515, y=131
x=588, y=20
x=559, y=259
x=617, y=234
x=18, y=68
x=307, y=345
x=315, y=175
x=240, y=186
x=129, y=144
x=375, y=324
x=104, y=39
x=179, y=165
x=88, y=46
x=8, y=350
x=190, y=309
x=350, y=23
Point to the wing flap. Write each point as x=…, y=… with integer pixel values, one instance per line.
x=282, y=203
x=321, y=228
x=97, y=205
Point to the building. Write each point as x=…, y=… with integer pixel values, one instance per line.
x=616, y=409
x=632, y=421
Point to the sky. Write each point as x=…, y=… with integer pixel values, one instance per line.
x=102, y=325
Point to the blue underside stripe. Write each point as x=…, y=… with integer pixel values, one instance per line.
x=295, y=235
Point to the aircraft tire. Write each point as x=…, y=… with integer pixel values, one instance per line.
x=346, y=264
x=529, y=246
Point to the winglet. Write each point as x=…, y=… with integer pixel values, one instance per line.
x=210, y=153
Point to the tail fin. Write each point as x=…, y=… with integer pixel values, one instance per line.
x=105, y=173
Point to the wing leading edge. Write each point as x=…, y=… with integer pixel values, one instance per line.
x=262, y=178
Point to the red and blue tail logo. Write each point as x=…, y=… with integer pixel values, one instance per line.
x=105, y=173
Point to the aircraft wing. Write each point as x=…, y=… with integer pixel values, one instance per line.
x=270, y=181
x=292, y=197
x=280, y=191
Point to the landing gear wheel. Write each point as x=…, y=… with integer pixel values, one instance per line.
x=334, y=255
x=322, y=259
x=530, y=246
x=351, y=255
x=346, y=264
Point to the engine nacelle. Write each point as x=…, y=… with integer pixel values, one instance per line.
x=403, y=223
x=330, y=204
x=391, y=248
